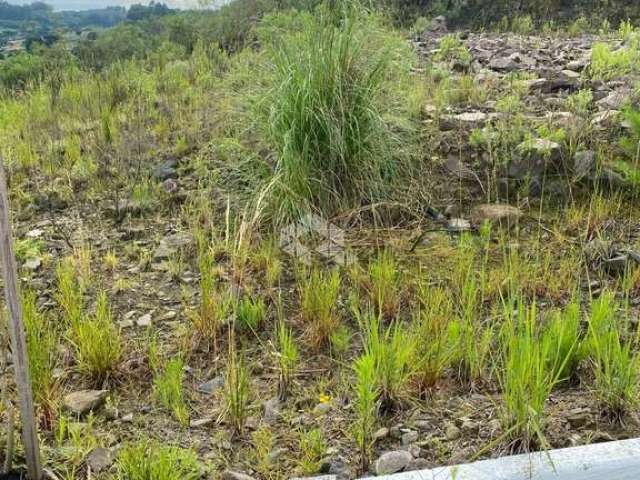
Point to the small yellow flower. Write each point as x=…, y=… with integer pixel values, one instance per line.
x=324, y=398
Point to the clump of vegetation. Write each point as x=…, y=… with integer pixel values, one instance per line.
x=452, y=48
x=147, y=460
x=251, y=312
x=527, y=379
x=384, y=283
x=237, y=389
x=615, y=364
x=607, y=63
x=288, y=356
x=43, y=338
x=336, y=77
x=98, y=342
x=168, y=389
x=431, y=332
x=215, y=303
x=391, y=349
x=319, y=292
x=366, y=406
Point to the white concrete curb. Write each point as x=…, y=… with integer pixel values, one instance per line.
x=619, y=460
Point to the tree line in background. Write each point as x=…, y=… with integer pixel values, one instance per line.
x=159, y=34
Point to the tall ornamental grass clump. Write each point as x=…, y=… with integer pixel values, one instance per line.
x=338, y=113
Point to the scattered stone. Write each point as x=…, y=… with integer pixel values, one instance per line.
x=423, y=425
x=380, y=434
x=579, y=417
x=458, y=225
x=579, y=64
x=84, y=401
x=418, y=464
x=614, y=101
x=534, y=157
x=392, y=462
x=33, y=264
x=452, y=432
x=600, y=437
x=321, y=409
x=409, y=437
x=584, y=164
x=231, y=475
x=201, y=422
x=466, y=120
x=99, y=459
x=144, y=320
x=274, y=455
x=211, y=386
x=494, y=425
x=469, y=427
x=503, y=64
x=271, y=410
x=171, y=244
x=128, y=418
x=496, y=213
x=166, y=170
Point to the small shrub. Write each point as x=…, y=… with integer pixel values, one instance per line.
x=98, y=342
x=250, y=313
x=318, y=303
x=153, y=461
x=167, y=387
x=522, y=24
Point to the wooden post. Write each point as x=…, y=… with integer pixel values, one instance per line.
x=18, y=341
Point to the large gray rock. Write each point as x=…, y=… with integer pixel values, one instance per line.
x=83, y=401
x=392, y=462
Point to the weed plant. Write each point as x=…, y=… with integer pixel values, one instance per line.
x=366, y=397
x=319, y=293
x=168, y=389
x=98, y=342
x=146, y=460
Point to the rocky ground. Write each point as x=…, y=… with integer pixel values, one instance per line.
x=537, y=76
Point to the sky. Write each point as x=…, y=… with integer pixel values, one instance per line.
x=88, y=4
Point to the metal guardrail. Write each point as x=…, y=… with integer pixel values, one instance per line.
x=619, y=460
